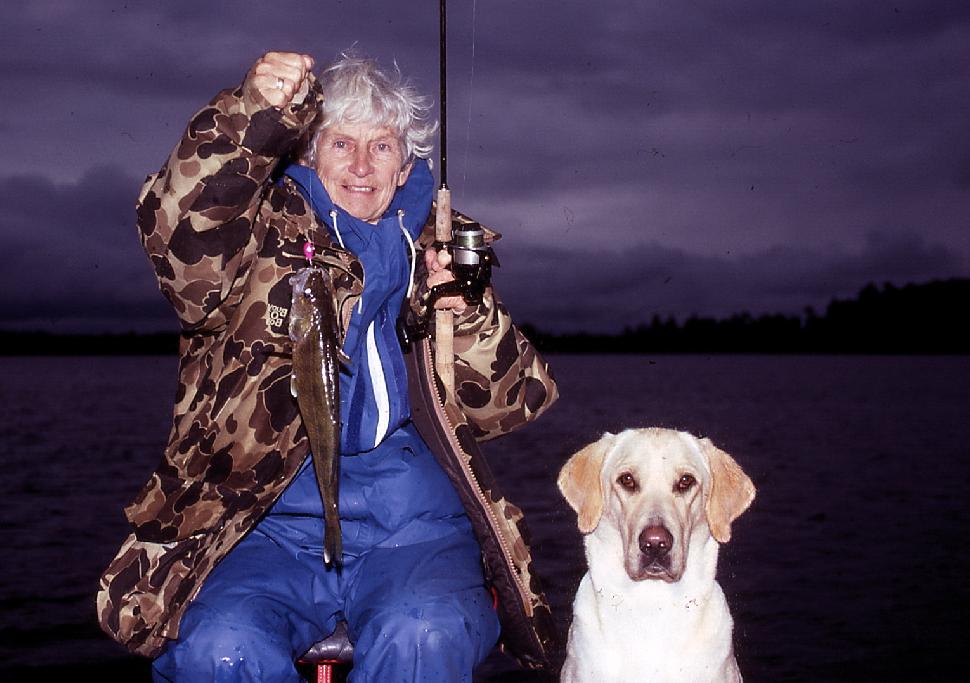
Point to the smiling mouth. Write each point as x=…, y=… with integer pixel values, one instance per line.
x=358, y=189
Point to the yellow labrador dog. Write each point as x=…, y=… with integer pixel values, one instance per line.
x=653, y=504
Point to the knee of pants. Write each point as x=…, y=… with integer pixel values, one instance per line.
x=423, y=634
x=216, y=650
x=434, y=636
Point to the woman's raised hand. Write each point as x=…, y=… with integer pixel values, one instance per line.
x=278, y=77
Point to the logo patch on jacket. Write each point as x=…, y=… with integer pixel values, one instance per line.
x=278, y=306
x=276, y=317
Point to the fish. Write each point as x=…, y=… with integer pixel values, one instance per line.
x=315, y=382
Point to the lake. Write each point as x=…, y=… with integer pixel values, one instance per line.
x=850, y=565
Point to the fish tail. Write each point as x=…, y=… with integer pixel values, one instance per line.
x=330, y=492
x=332, y=540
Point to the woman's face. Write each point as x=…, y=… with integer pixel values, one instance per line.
x=361, y=168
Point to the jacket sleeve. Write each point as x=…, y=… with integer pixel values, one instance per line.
x=501, y=381
x=196, y=215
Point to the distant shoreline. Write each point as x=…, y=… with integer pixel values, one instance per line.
x=51, y=344
x=42, y=344
x=924, y=319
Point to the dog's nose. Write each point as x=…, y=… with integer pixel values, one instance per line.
x=655, y=542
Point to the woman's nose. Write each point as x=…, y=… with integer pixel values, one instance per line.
x=361, y=164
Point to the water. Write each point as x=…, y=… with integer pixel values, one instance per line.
x=850, y=566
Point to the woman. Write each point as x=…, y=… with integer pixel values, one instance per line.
x=223, y=577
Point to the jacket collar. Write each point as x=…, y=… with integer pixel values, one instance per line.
x=414, y=199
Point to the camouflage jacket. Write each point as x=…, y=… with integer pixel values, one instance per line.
x=224, y=235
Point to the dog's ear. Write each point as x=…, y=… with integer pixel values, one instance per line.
x=580, y=483
x=731, y=491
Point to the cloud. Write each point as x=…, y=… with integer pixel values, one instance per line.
x=597, y=290
x=72, y=257
x=74, y=264
x=718, y=134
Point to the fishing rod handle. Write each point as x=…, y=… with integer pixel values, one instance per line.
x=444, y=320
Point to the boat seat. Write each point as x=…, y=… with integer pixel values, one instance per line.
x=330, y=659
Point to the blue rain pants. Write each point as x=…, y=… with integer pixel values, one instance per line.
x=411, y=588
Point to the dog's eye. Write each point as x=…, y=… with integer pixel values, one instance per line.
x=627, y=481
x=685, y=483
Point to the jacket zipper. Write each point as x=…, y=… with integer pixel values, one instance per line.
x=470, y=476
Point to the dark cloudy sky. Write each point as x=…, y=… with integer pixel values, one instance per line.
x=640, y=157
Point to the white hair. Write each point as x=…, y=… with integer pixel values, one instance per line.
x=357, y=90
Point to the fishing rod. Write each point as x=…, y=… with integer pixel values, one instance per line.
x=444, y=319
x=471, y=257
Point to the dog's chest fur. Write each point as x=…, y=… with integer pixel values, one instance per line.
x=635, y=631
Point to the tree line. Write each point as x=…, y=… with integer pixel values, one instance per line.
x=929, y=318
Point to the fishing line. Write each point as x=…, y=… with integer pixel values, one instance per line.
x=471, y=90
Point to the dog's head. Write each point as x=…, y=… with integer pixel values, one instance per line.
x=659, y=488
